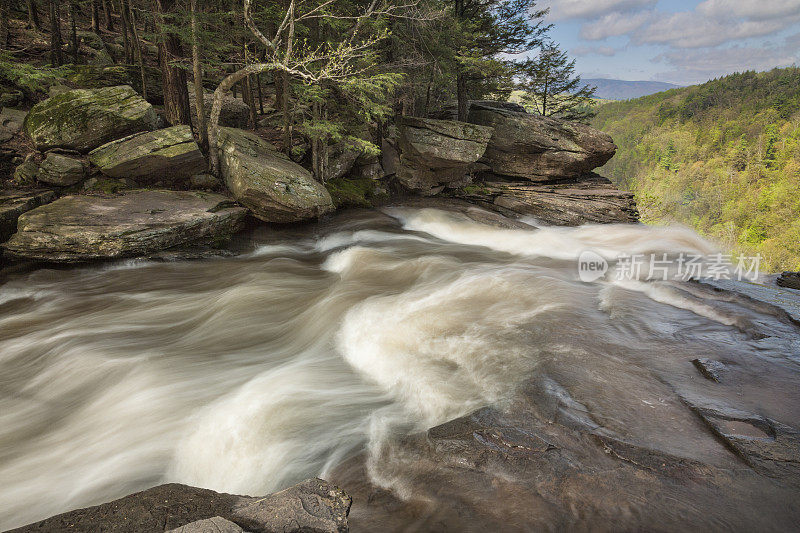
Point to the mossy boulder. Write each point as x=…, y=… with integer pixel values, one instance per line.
x=61, y=170
x=267, y=182
x=100, y=74
x=352, y=192
x=130, y=224
x=83, y=119
x=169, y=155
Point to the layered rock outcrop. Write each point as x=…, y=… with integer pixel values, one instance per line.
x=129, y=224
x=83, y=119
x=267, y=182
x=13, y=203
x=437, y=153
x=170, y=155
x=61, y=170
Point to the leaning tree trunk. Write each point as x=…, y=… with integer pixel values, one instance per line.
x=95, y=16
x=176, y=93
x=56, y=54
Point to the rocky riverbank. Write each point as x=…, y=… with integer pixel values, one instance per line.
x=120, y=174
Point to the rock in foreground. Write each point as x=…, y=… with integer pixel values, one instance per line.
x=133, y=223
x=538, y=148
x=313, y=506
x=83, y=119
x=170, y=154
x=435, y=153
x=267, y=182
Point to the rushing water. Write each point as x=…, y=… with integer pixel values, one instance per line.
x=247, y=374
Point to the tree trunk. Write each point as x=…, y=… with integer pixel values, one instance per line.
x=107, y=18
x=56, y=55
x=73, y=33
x=95, y=16
x=463, y=97
x=137, y=44
x=250, y=100
x=33, y=16
x=197, y=71
x=176, y=93
x=287, y=119
x=127, y=36
x=4, y=31
x=260, y=95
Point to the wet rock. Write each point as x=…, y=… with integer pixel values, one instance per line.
x=537, y=148
x=267, y=182
x=790, y=280
x=83, y=119
x=769, y=446
x=436, y=153
x=313, y=505
x=171, y=155
x=209, y=525
x=710, y=369
x=13, y=203
x=129, y=224
x=61, y=170
x=589, y=199
x=11, y=121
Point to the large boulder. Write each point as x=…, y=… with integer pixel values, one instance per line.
x=435, y=153
x=129, y=224
x=312, y=506
x=83, y=119
x=101, y=75
x=539, y=148
x=61, y=170
x=170, y=155
x=267, y=182
x=10, y=122
x=15, y=202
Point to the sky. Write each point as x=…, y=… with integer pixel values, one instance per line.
x=677, y=41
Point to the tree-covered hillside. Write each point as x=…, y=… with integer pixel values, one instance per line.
x=722, y=157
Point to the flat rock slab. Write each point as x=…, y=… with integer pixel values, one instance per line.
x=130, y=224
x=83, y=119
x=313, y=505
x=61, y=170
x=170, y=154
x=591, y=199
x=15, y=202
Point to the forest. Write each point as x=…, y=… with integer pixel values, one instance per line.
x=722, y=157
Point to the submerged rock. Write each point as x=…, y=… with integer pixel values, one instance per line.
x=61, y=170
x=591, y=199
x=267, y=182
x=13, y=203
x=132, y=223
x=312, y=506
x=170, y=154
x=539, y=148
x=83, y=119
x=435, y=153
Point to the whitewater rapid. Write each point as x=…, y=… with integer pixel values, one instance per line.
x=246, y=374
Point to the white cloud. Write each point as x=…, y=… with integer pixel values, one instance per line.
x=697, y=66
x=589, y=9
x=750, y=9
x=614, y=24
x=694, y=30
x=593, y=50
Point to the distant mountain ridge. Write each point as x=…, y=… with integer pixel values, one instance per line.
x=609, y=89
